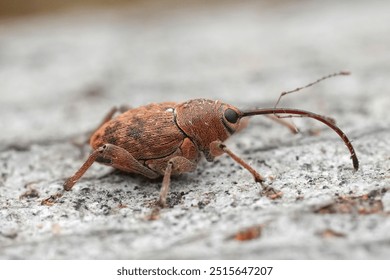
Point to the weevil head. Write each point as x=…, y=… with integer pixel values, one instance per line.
x=205, y=121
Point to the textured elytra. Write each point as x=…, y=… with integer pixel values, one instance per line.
x=146, y=132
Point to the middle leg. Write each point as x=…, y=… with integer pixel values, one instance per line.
x=175, y=165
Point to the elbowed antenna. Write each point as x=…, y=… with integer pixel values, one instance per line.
x=341, y=73
x=306, y=114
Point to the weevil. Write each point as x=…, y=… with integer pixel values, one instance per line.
x=165, y=139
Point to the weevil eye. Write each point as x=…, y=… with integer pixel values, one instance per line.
x=231, y=115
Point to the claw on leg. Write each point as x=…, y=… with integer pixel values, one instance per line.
x=52, y=198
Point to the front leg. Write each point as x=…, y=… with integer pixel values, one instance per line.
x=217, y=148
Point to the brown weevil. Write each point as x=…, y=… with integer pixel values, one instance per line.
x=169, y=138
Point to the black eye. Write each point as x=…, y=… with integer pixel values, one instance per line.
x=231, y=115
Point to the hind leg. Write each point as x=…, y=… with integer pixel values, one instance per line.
x=110, y=155
x=114, y=156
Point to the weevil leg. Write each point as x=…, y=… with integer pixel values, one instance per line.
x=217, y=148
x=110, y=155
x=110, y=114
x=289, y=125
x=114, y=156
x=165, y=185
x=176, y=165
x=121, y=159
x=85, y=138
x=69, y=183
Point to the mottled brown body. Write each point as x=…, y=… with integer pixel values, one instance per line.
x=169, y=138
x=156, y=133
x=137, y=131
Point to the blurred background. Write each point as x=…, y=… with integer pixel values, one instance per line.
x=18, y=8
x=67, y=62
